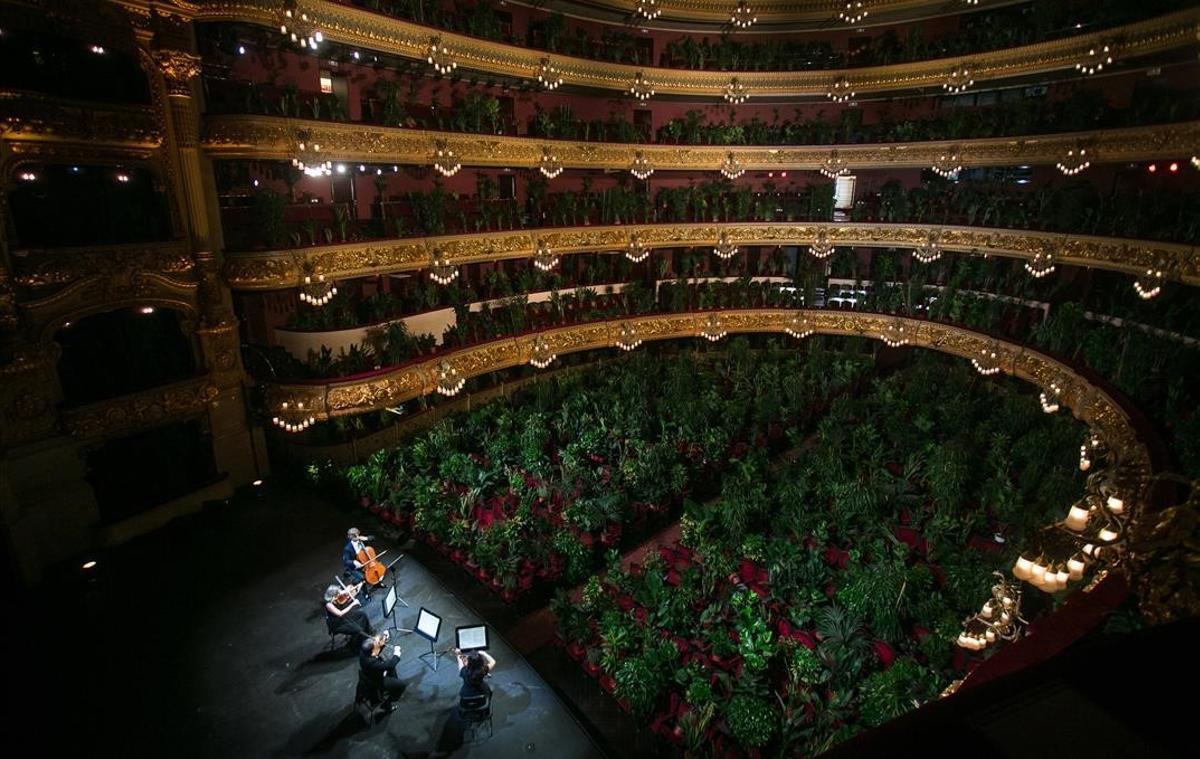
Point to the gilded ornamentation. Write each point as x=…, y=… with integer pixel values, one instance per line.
x=26, y=117
x=357, y=28
x=263, y=137
x=1165, y=560
x=150, y=408
x=279, y=269
x=38, y=269
x=178, y=70
x=1090, y=404
x=28, y=394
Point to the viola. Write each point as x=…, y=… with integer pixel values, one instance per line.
x=373, y=570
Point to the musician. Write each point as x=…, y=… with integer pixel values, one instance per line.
x=472, y=668
x=350, y=564
x=378, y=671
x=345, y=614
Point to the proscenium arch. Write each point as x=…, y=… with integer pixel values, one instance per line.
x=280, y=269
x=1090, y=403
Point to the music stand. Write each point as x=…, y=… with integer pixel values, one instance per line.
x=471, y=638
x=428, y=626
x=389, y=608
x=396, y=582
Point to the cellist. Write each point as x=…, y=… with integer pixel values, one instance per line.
x=352, y=567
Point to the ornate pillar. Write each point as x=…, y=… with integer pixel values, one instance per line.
x=234, y=450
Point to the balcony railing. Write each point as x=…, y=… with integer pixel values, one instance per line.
x=365, y=30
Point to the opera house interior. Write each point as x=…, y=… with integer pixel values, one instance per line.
x=600, y=378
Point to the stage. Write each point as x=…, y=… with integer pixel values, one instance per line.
x=223, y=650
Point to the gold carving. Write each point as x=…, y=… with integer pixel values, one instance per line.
x=26, y=117
x=1089, y=403
x=279, y=269
x=359, y=28
x=36, y=269
x=261, y=137
x=150, y=408
x=178, y=69
x=28, y=392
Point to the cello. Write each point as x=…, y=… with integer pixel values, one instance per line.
x=372, y=569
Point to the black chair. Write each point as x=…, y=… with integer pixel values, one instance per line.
x=474, y=712
x=369, y=702
x=333, y=634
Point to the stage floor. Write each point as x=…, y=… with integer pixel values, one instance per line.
x=235, y=661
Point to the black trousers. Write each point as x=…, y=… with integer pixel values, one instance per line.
x=354, y=623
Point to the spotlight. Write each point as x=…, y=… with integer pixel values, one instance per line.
x=241, y=49
x=1173, y=168
x=257, y=483
x=147, y=309
x=90, y=564
x=1152, y=168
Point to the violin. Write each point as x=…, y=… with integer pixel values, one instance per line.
x=348, y=592
x=373, y=570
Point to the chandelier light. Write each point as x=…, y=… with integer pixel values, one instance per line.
x=821, y=247
x=840, y=91
x=640, y=167
x=1093, y=531
x=549, y=76
x=1091, y=450
x=742, y=17
x=987, y=362
x=948, y=163
x=732, y=168
x=930, y=248
x=441, y=270
x=541, y=354
x=296, y=26
x=958, y=80
x=1050, y=397
x=833, y=166
x=636, y=251
x=544, y=258
x=725, y=247
x=647, y=9
x=1041, y=265
x=998, y=620
x=1149, y=284
x=1075, y=161
x=449, y=381
x=799, y=326
x=444, y=160
x=309, y=160
x=549, y=164
x=736, y=92
x=713, y=329
x=852, y=12
x=293, y=417
x=1096, y=59
x=438, y=56
x=641, y=88
x=627, y=338
x=317, y=292
x=894, y=334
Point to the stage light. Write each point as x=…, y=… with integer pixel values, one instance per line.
x=1174, y=167
x=257, y=483
x=98, y=49
x=1152, y=168
x=241, y=49
x=147, y=309
x=89, y=564
x=341, y=168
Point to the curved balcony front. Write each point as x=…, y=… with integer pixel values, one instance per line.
x=279, y=269
x=370, y=31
